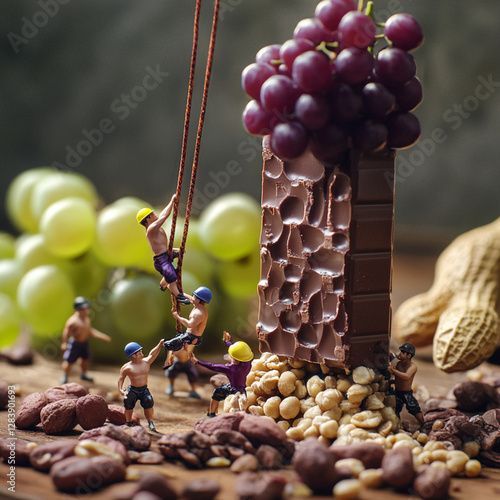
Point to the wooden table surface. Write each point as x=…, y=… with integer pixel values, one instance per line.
x=179, y=413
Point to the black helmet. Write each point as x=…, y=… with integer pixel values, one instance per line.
x=408, y=348
x=80, y=303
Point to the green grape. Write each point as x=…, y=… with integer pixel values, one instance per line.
x=68, y=227
x=240, y=278
x=120, y=240
x=108, y=352
x=138, y=308
x=146, y=265
x=133, y=201
x=60, y=185
x=32, y=252
x=230, y=226
x=199, y=264
x=10, y=321
x=7, y=246
x=45, y=297
x=18, y=198
x=240, y=322
x=11, y=273
x=88, y=274
x=193, y=236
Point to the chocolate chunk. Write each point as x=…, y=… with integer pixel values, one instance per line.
x=326, y=249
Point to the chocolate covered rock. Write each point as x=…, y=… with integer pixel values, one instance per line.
x=91, y=411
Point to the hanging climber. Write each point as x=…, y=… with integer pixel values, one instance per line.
x=159, y=244
x=195, y=325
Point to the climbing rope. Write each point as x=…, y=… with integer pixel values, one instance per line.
x=201, y=120
x=187, y=118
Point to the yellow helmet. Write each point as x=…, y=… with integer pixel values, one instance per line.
x=240, y=351
x=142, y=214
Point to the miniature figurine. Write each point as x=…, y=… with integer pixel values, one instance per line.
x=137, y=370
x=236, y=371
x=195, y=324
x=75, y=339
x=158, y=241
x=182, y=365
x=404, y=373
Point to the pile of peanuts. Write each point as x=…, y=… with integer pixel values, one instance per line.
x=309, y=400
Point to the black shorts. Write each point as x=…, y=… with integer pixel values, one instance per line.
x=138, y=393
x=222, y=392
x=177, y=343
x=188, y=368
x=407, y=398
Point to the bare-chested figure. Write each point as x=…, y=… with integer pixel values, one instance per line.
x=137, y=370
x=75, y=339
x=195, y=324
x=404, y=373
x=158, y=242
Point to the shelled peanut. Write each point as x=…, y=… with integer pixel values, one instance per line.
x=308, y=400
x=458, y=314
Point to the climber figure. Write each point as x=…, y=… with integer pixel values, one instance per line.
x=158, y=242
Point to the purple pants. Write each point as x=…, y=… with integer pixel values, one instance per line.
x=163, y=264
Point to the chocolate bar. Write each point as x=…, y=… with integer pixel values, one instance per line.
x=326, y=259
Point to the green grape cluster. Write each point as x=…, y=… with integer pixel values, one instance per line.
x=70, y=243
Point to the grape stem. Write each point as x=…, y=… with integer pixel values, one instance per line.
x=369, y=9
x=361, y=5
x=325, y=48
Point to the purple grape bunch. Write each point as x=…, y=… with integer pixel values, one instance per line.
x=337, y=84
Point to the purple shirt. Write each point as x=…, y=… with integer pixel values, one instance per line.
x=237, y=374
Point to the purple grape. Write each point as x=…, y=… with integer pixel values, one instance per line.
x=394, y=66
x=289, y=140
x=370, y=136
x=293, y=48
x=311, y=72
x=269, y=54
x=284, y=70
x=354, y=65
x=278, y=95
x=403, y=128
x=312, y=29
x=257, y=120
x=357, y=30
x=330, y=12
x=329, y=144
x=253, y=76
x=378, y=101
x=312, y=111
x=404, y=31
x=408, y=96
x=345, y=103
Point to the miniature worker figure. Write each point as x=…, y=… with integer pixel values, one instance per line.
x=75, y=339
x=195, y=324
x=182, y=365
x=236, y=371
x=404, y=373
x=137, y=370
x=158, y=242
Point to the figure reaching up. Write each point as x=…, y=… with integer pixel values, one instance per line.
x=158, y=242
x=241, y=363
x=195, y=325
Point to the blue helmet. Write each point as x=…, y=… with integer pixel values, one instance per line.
x=132, y=348
x=203, y=293
x=80, y=303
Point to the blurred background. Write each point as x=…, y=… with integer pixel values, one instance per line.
x=99, y=89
